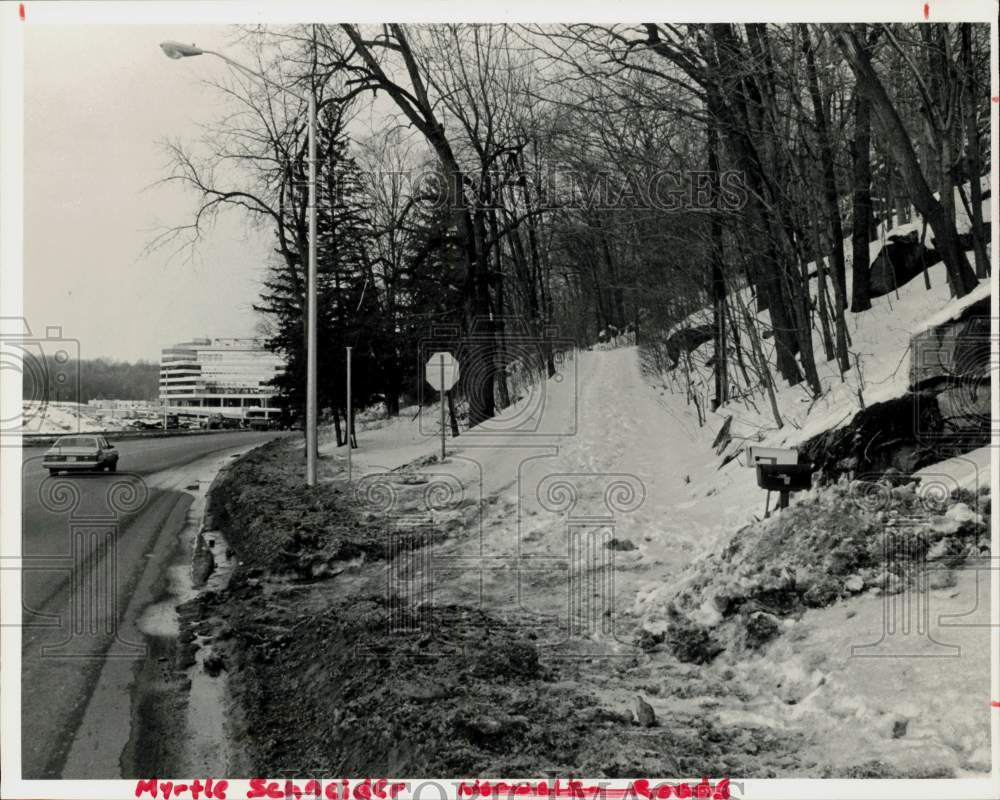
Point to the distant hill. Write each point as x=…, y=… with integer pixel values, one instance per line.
x=91, y=379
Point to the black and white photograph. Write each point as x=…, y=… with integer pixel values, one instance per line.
x=454, y=401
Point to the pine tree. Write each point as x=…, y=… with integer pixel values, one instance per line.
x=344, y=297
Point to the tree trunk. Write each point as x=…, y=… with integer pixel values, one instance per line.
x=718, y=278
x=829, y=175
x=500, y=340
x=730, y=94
x=479, y=323
x=757, y=352
x=824, y=313
x=931, y=155
x=392, y=403
x=614, y=294
x=803, y=332
x=941, y=87
x=336, y=427
x=418, y=107
x=902, y=201
x=451, y=415
x=832, y=207
x=770, y=286
x=734, y=330
x=538, y=302
x=960, y=273
x=972, y=157
x=861, y=204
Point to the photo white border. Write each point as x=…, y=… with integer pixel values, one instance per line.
x=11, y=284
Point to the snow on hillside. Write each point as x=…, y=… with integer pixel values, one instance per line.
x=600, y=415
x=599, y=441
x=879, y=350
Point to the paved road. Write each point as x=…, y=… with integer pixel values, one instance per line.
x=87, y=540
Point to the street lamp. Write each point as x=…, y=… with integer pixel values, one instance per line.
x=177, y=50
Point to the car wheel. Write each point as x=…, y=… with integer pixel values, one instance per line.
x=113, y=466
x=53, y=471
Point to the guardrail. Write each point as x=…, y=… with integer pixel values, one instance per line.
x=47, y=439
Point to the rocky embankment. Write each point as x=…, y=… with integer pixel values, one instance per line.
x=945, y=412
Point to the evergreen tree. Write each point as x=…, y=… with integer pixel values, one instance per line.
x=344, y=296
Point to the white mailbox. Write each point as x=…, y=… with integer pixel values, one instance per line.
x=771, y=455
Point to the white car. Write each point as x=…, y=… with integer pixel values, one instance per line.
x=80, y=452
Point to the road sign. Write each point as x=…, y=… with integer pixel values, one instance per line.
x=441, y=371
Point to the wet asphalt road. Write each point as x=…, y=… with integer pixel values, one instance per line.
x=86, y=540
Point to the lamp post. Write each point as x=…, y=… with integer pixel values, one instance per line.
x=178, y=50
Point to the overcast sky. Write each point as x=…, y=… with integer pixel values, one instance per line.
x=97, y=101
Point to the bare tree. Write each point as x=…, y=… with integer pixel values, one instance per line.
x=960, y=274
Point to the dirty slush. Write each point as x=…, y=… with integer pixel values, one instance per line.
x=319, y=683
x=325, y=680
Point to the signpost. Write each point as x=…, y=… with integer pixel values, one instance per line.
x=441, y=372
x=349, y=415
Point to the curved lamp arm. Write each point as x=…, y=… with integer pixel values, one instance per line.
x=180, y=50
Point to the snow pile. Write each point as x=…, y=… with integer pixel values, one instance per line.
x=56, y=418
x=831, y=544
x=874, y=704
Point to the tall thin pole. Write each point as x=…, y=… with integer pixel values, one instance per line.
x=311, y=443
x=443, y=394
x=349, y=414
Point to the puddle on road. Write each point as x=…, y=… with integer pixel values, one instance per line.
x=160, y=619
x=204, y=743
x=208, y=748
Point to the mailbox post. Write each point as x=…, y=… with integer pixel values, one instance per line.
x=778, y=470
x=784, y=479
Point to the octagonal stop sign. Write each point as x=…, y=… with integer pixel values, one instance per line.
x=441, y=370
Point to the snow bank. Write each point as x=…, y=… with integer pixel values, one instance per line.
x=879, y=346
x=58, y=418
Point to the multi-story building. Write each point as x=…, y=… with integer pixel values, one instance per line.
x=227, y=376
